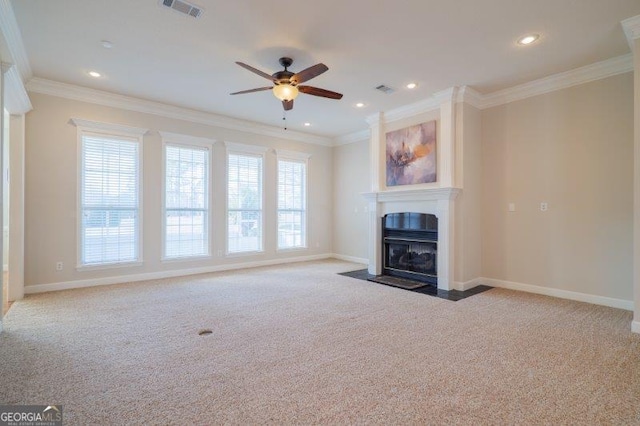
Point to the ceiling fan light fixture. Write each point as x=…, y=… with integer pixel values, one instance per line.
x=285, y=92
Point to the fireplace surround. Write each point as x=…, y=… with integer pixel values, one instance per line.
x=438, y=202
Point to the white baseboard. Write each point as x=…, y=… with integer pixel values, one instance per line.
x=463, y=286
x=635, y=326
x=350, y=258
x=563, y=294
x=67, y=285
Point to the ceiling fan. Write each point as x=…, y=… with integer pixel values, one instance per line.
x=286, y=84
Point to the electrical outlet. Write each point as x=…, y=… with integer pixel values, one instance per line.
x=544, y=207
x=59, y=266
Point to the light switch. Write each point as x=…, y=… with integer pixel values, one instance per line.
x=512, y=207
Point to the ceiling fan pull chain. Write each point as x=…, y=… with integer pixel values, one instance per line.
x=284, y=118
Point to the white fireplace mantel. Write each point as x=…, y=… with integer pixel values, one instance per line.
x=436, y=201
x=426, y=194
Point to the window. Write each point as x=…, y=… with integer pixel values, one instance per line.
x=109, y=190
x=186, y=201
x=292, y=203
x=244, y=199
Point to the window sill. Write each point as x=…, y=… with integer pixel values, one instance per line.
x=98, y=267
x=291, y=249
x=186, y=258
x=243, y=253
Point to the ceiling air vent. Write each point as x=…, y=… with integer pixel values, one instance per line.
x=385, y=89
x=183, y=7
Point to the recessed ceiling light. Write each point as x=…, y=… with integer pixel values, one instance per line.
x=412, y=85
x=307, y=124
x=528, y=39
x=106, y=44
x=359, y=105
x=94, y=74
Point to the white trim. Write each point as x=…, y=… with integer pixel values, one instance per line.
x=292, y=155
x=430, y=104
x=635, y=326
x=242, y=148
x=99, y=97
x=112, y=265
x=111, y=128
x=13, y=38
x=179, y=138
x=469, y=96
x=16, y=98
x=67, y=285
x=562, y=294
x=427, y=194
x=631, y=28
x=353, y=259
x=563, y=80
x=361, y=135
x=466, y=285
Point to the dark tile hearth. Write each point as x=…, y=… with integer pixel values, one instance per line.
x=431, y=290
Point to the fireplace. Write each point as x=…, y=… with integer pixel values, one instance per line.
x=410, y=246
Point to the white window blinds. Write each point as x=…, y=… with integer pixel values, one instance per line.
x=110, y=186
x=292, y=204
x=244, y=203
x=186, y=215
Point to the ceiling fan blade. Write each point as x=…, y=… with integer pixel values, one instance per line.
x=259, y=89
x=256, y=71
x=308, y=74
x=288, y=105
x=315, y=91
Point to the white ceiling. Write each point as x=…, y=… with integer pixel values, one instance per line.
x=164, y=56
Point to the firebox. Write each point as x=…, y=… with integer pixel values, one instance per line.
x=410, y=246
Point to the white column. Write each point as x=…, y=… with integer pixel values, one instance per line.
x=375, y=234
x=447, y=138
x=376, y=145
x=446, y=244
x=16, y=206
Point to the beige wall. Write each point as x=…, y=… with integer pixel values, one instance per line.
x=51, y=199
x=573, y=149
x=350, y=180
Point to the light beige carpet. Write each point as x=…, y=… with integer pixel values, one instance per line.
x=299, y=344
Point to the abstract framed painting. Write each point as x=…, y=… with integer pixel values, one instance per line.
x=411, y=155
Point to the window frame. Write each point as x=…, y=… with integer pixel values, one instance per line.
x=250, y=151
x=109, y=130
x=180, y=140
x=298, y=157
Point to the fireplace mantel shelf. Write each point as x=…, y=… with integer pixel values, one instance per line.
x=424, y=194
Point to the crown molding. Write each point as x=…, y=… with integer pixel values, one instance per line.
x=11, y=33
x=631, y=28
x=358, y=136
x=469, y=96
x=427, y=105
x=99, y=97
x=564, y=80
x=16, y=98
